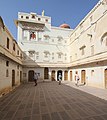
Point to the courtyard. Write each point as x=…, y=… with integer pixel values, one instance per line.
x=50, y=101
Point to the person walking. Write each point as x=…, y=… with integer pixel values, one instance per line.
x=77, y=78
x=35, y=78
x=59, y=78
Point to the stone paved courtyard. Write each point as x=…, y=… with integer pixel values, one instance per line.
x=50, y=101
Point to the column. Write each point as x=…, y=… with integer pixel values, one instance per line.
x=56, y=75
x=49, y=74
x=63, y=75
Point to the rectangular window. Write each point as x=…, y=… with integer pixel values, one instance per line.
x=17, y=52
x=59, y=56
x=37, y=55
x=7, y=63
x=7, y=73
x=14, y=46
x=21, y=55
x=92, y=72
x=52, y=56
x=92, y=50
x=83, y=50
x=25, y=34
x=46, y=55
x=8, y=43
x=17, y=66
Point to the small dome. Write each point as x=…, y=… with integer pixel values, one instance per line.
x=64, y=26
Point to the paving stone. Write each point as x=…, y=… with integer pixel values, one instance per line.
x=104, y=116
x=36, y=117
x=64, y=115
x=66, y=107
x=26, y=118
x=35, y=111
x=46, y=117
x=64, y=102
x=55, y=116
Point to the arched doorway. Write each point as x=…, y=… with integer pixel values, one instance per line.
x=13, y=78
x=59, y=72
x=53, y=75
x=30, y=76
x=46, y=75
x=83, y=76
x=70, y=75
x=105, y=75
x=66, y=75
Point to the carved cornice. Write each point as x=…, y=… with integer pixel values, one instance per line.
x=32, y=26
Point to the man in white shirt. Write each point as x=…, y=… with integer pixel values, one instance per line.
x=59, y=78
x=77, y=78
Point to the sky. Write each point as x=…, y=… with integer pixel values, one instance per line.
x=60, y=11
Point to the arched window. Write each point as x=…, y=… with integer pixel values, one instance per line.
x=32, y=35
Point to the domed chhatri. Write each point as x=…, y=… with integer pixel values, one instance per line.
x=64, y=26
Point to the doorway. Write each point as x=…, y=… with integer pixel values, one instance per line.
x=105, y=74
x=53, y=75
x=59, y=72
x=13, y=78
x=31, y=76
x=46, y=75
x=70, y=75
x=83, y=76
x=66, y=75
x=20, y=76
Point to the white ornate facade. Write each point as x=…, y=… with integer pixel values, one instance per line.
x=45, y=47
x=49, y=50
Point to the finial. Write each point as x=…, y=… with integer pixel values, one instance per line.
x=43, y=13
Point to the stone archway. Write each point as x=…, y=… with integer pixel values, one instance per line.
x=59, y=72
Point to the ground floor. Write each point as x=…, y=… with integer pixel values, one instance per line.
x=10, y=74
x=58, y=102
x=95, y=76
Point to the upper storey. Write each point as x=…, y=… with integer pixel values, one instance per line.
x=37, y=28
x=33, y=21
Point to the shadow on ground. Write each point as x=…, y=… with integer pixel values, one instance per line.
x=50, y=101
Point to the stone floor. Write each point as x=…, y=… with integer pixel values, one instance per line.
x=50, y=101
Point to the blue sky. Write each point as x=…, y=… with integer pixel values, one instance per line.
x=68, y=11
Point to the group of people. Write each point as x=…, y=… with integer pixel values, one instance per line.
x=77, y=78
